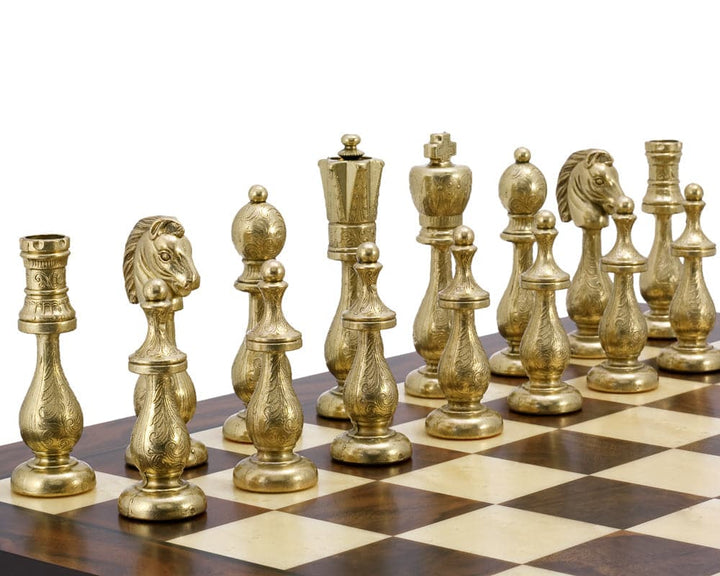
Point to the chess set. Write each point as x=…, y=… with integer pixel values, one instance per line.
x=588, y=445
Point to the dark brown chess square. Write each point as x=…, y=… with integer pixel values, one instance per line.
x=628, y=554
x=573, y=451
x=706, y=446
x=397, y=557
x=607, y=502
x=384, y=508
x=703, y=401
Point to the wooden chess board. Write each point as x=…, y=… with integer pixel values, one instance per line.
x=629, y=485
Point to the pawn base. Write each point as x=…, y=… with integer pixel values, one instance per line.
x=423, y=383
x=583, y=346
x=561, y=399
x=197, y=457
x=330, y=404
x=506, y=363
x=292, y=475
x=445, y=422
x=161, y=505
x=658, y=326
x=622, y=379
x=34, y=479
x=235, y=428
x=694, y=361
x=369, y=450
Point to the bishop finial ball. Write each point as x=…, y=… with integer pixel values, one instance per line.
x=156, y=290
x=368, y=253
x=257, y=194
x=693, y=192
x=545, y=220
x=273, y=271
x=625, y=205
x=522, y=155
x=350, y=140
x=463, y=236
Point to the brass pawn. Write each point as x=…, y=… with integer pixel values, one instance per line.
x=522, y=190
x=351, y=184
x=51, y=420
x=464, y=370
x=160, y=443
x=258, y=233
x=544, y=349
x=623, y=330
x=274, y=413
x=440, y=191
x=371, y=394
x=662, y=199
x=692, y=311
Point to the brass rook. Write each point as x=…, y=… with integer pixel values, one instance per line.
x=351, y=182
x=623, y=331
x=274, y=414
x=440, y=191
x=662, y=199
x=158, y=248
x=371, y=394
x=51, y=421
x=522, y=191
x=544, y=348
x=463, y=371
x=692, y=312
x=258, y=233
x=160, y=443
x=587, y=190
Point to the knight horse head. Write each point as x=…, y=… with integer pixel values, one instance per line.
x=588, y=189
x=158, y=248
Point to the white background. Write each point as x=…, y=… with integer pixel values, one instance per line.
x=112, y=111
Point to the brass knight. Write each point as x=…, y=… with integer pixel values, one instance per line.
x=587, y=191
x=51, y=421
x=158, y=248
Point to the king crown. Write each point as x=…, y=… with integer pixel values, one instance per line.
x=440, y=148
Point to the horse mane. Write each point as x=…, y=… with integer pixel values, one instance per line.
x=589, y=156
x=156, y=225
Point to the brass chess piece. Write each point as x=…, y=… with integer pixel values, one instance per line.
x=544, y=348
x=587, y=190
x=371, y=394
x=351, y=183
x=160, y=443
x=623, y=331
x=464, y=370
x=522, y=191
x=692, y=312
x=51, y=421
x=662, y=199
x=258, y=233
x=158, y=248
x=440, y=191
x=274, y=414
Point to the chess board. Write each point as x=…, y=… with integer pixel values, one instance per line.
x=628, y=485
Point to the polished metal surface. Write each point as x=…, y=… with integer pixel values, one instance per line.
x=51, y=420
x=522, y=191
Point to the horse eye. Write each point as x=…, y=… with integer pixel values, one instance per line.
x=599, y=180
x=165, y=256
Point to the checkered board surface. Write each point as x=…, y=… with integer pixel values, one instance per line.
x=628, y=485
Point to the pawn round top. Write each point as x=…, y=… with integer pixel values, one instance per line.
x=350, y=150
x=368, y=253
x=623, y=257
x=693, y=242
x=694, y=192
x=272, y=271
x=545, y=274
x=545, y=220
x=258, y=230
x=463, y=236
x=625, y=205
x=522, y=187
x=463, y=292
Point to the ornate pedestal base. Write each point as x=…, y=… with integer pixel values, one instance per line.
x=585, y=346
x=330, y=404
x=43, y=478
x=445, y=422
x=507, y=363
x=255, y=475
x=161, y=505
x=637, y=377
x=561, y=399
x=423, y=383
x=354, y=449
x=659, y=327
x=677, y=359
x=235, y=428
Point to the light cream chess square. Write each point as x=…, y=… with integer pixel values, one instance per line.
x=512, y=431
x=108, y=487
x=507, y=533
x=483, y=478
x=311, y=437
x=530, y=571
x=652, y=426
x=279, y=540
x=220, y=485
x=679, y=470
x=699, y=524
